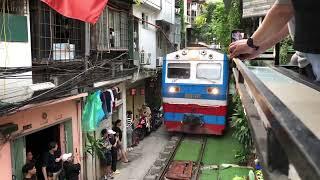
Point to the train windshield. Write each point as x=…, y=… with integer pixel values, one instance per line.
x=179, y=70
x=209, y=71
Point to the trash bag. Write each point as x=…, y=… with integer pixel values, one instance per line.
x=92, y=112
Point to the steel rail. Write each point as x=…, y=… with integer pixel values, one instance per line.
x=199, y=162
x=169, y=160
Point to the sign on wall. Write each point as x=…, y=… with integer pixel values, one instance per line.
x=133, y=91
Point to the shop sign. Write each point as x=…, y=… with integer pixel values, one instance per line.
x=142, y=92
x=133, y=91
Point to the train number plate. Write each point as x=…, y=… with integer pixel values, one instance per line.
x=193, y=96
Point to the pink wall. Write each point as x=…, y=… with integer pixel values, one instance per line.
x=56, y=113
x=5, y=159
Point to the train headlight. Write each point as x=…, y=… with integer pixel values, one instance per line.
x=174, y=89
x=213, y=91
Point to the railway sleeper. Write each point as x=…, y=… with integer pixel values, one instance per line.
x=150, y=177
x=160, y=162
x=169, y=148
x=172, y=143
x=165, y=155
x=155, y=170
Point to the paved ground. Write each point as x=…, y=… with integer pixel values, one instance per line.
x=143, y=156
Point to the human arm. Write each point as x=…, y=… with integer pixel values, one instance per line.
x=274, y=22
x=44, y=172
x=267, y=44
x=115, y=142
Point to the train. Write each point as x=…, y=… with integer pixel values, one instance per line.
x=195, y=91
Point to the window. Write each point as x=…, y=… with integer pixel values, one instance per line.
x=17, y=7
x=145, y=20
x=112, y=30
x=179, y=70
x=53, y=36
x=159, y=40
x=13, y=21
x=209, y=71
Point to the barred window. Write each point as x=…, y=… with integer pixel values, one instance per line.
x=112, y=30
x=53, y=36
x=17, y=7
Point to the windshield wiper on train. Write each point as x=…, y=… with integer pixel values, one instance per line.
x=212, y=81
x=175, y=80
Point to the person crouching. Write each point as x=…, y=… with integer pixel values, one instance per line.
x=71, y=170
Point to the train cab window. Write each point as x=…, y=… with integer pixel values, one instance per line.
x=209, y=71
x=179, y=70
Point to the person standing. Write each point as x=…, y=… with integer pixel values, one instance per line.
x=122, y=153
x=129, y=129
x=29, y=157
x=114, y=140
x=146, y=112
x=107, y=159
x=50, y=169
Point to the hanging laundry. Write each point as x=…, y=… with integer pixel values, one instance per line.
x=92, y=112
x=115, y=94
x=104, y=104
x=109, y=101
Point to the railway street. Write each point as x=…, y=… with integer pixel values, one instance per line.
x=159, y=90
x=143, y=156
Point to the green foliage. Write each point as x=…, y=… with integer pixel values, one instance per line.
x=239, y=178
x=95, y=146
x=183, y=31
x=218, y=22
x=286, y=46
x=234, y=15
x=138, y=2
x=241, y=130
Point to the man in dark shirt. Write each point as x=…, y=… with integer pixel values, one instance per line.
x=49, y=166
x=114, y=140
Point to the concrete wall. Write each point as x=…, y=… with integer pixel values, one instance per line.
x=147, y=36
x=16, y=54
x=93, y=168
x=138, y=100
x=168, y=11
x=56, y=113
x=155, y=4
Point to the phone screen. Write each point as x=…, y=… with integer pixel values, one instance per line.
x=236, y=35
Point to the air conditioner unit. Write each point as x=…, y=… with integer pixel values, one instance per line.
x=145, y=58
x=159, y=61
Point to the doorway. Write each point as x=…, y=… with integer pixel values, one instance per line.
x=38, y=142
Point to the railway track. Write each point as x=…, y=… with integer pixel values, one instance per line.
x=195, y=166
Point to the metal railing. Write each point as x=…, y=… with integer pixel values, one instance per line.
x=285, y=139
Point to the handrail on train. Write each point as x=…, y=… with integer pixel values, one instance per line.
x=285, y=140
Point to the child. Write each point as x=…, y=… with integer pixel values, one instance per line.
x=30, y=171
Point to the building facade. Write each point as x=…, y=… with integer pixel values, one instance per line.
x=51, y=64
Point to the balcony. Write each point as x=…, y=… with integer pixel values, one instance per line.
x=155, y=4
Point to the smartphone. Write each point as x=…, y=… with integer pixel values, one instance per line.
x=237, y=35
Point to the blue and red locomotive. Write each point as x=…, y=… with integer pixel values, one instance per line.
x=195, y=91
